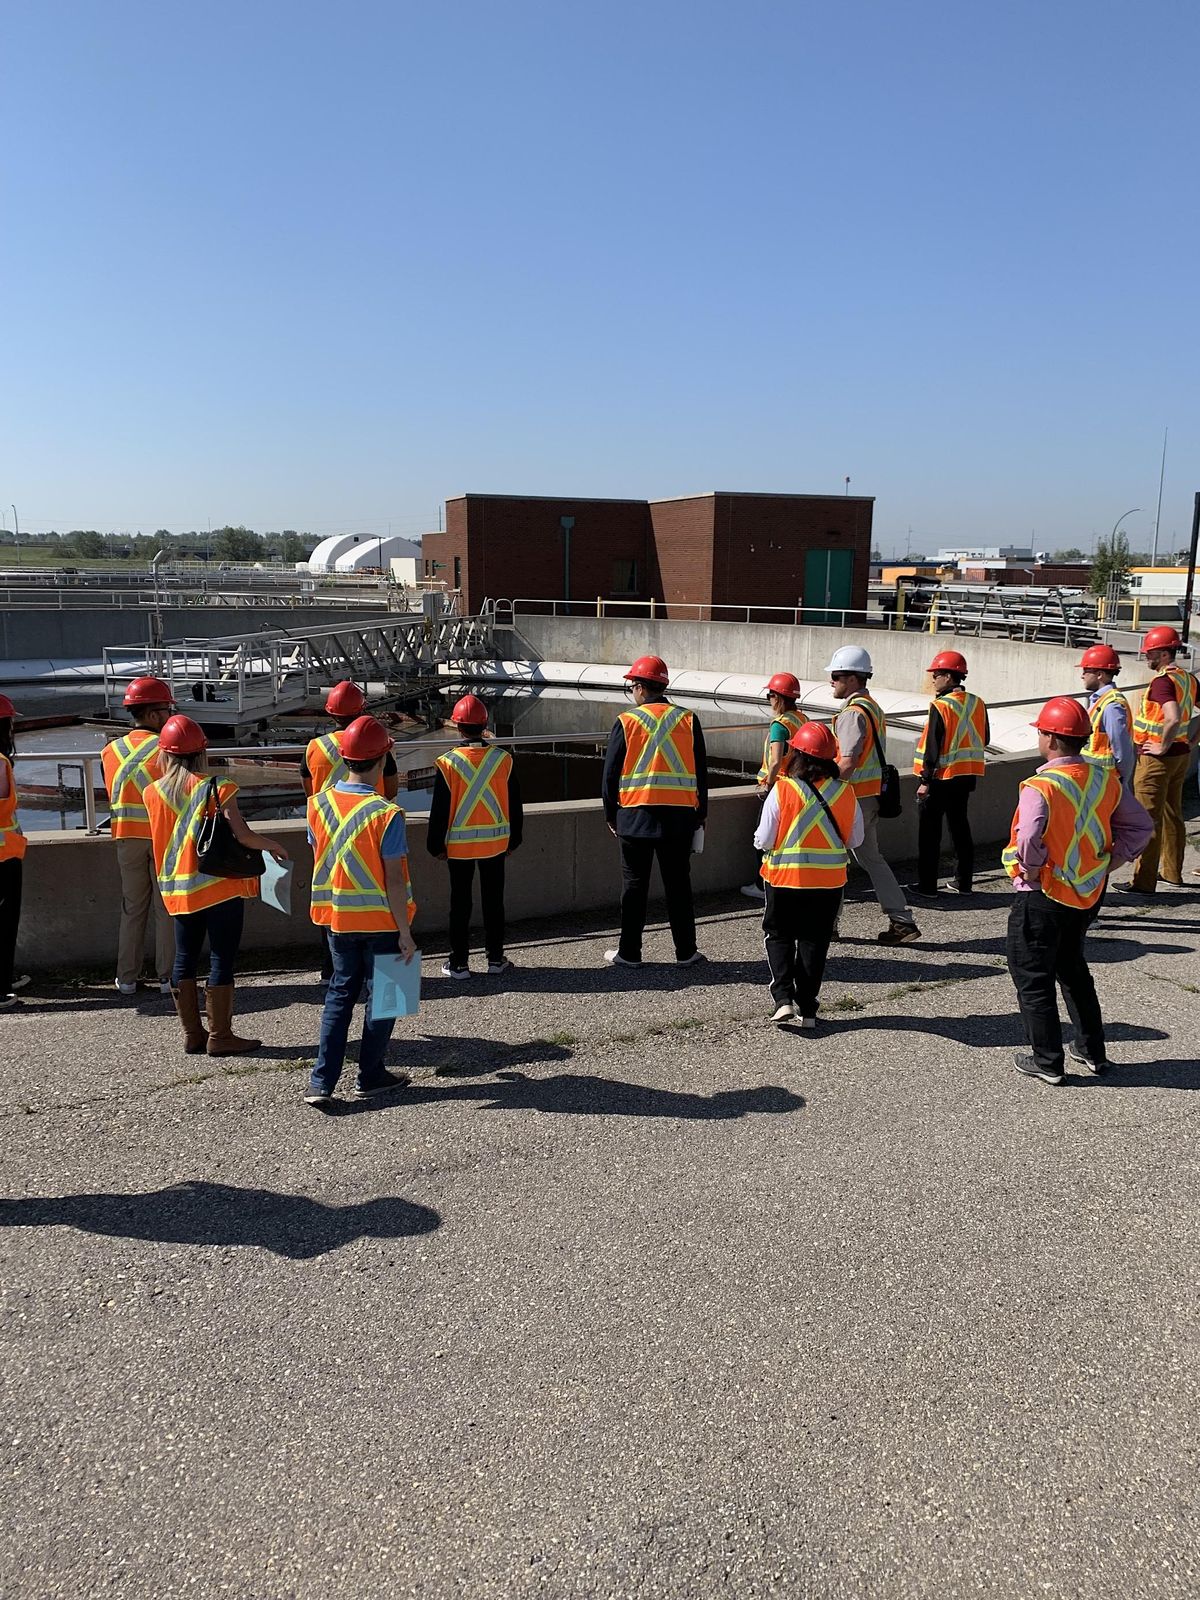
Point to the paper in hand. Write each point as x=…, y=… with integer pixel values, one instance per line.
x=275, y=885
x=395, y=987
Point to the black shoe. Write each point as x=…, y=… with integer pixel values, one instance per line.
x=1094, y=1067
x=921, y=894
x=1026, y=1063
x=385, y=1085
x=950, y=887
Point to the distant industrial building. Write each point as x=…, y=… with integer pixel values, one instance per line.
x=359, y=552
x=723, y=549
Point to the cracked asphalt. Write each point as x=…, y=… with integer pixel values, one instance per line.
x=630, y=1294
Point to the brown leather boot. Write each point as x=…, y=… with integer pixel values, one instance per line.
x=222, y=1041
x=187, y=1004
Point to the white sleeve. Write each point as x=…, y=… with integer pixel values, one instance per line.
x=856, y=828
x=768, y=823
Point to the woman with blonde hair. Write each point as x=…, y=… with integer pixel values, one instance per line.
x=203, y=904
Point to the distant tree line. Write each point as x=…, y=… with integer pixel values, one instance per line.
x=222, y=544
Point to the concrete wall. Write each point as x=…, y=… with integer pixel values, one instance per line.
x=83, y=633
x=1000, y=668
x=568, y=863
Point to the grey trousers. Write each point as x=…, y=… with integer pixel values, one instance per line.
x=883, y=880
x=139, y=893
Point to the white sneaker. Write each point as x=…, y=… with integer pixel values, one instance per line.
x=753, y=891
x=616, y=959
x=164, y=986
x=455, y=972
x=125, y=988
x=784, y=1013
x=496, y=968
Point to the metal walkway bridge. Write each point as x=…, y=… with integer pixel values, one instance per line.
x=249, y=677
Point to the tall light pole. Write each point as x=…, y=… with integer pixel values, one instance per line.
x=16, y=533
x=1119, y=521
x=1162, y=469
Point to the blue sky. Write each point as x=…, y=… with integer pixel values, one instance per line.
x=320, y=267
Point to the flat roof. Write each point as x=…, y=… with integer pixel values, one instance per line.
x=554, y=499
x=663, y=499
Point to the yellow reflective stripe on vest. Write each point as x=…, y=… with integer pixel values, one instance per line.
x=478, y=780
x=658, y=743
x=793, y=721
x=1087, y=825
x=870, y=766
x=338, y=770
x=170, y=880
x=133, y=767
x=789, y=853
x=1099, y=746
x=343, y=833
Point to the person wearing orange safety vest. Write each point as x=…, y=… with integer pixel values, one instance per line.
x=323, y=765
x=1164, y=731
x=130, y=764
x=361, y=892
x=203, y=905
x=1111, y=739
x=12, y=856
x=655, y=794
x=949, y=760
x=861, y=734
x=1073, y=824
x=782, y=692
x=809, y=824
x=475, y=820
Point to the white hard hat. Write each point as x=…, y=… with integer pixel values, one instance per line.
x=851, y=658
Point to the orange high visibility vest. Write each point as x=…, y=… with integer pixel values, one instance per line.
x=867, y=778
x=323, y=758
x=1080, y=800
x=791, y=720
x=349, y=889
x=173, y=833
x=130, y=765
x=660, y=757
x=964, y=735
x=1099, y=745
x=12, y=840
x=1147, y=725
x=477, y=777
x=809, y=852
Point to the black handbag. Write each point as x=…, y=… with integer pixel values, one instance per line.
x=218, y=853
x=889, y=788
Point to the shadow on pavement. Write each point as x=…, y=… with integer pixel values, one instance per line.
x=1140, y=1075
x=221, y=1214
x=587, y=1095
x=985, y=1031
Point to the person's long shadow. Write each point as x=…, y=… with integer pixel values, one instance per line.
x=588, y=1095
x=1102, y=945
x=1141, y=1075
x=978, y=1030
x=221, y=1214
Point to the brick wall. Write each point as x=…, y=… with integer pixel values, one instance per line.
x=761, y=543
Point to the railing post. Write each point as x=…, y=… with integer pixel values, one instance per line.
x=89, y=796
x=599, y=606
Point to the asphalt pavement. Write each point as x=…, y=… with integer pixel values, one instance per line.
x=630, y=1294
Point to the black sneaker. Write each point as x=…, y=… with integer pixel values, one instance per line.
x=921, y=894
x=1025, y=1062
x=950, y=887
x=1086, y=1062
x=899, y=933
x=386, y=1085
x=318, y=1097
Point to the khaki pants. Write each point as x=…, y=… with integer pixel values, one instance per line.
x=139, y=891
x=883, y=880
x=1158, y=785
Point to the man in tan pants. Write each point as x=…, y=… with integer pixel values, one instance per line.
x=1162, y=735
x=130, y=763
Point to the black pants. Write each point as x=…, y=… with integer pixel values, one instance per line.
x=674, y=855
x=948, y=797
x=1045, y=947
x=221, y=925
x=10, y=917
x=491, y=896
x=797, y=927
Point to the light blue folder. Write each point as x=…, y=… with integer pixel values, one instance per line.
x=395, y=987
x=275, y=885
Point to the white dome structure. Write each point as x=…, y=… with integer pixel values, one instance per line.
x=361, y=552
x=327, y=552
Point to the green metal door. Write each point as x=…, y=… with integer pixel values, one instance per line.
x=828, y=585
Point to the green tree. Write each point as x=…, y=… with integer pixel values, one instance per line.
x=1111, y=564
x=87, y=544
x=294, y=546
x=237, y=544
x=1072, y=554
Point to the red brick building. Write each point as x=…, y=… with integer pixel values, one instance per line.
x=721, y=549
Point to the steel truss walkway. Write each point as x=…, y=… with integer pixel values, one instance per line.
x=250, y=677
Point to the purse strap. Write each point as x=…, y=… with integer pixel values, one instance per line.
x=820, y=799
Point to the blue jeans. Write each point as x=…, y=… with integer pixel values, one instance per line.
x=223, y=926
x=353, y=955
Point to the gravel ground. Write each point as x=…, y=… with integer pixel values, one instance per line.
x=630, y=1294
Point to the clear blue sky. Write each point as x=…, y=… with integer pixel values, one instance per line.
x=320, y=266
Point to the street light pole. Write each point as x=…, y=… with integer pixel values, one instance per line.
x=16, y=533
x=1112, y=536
x=1162, y=469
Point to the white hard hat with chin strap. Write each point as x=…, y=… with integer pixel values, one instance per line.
x=851, y=658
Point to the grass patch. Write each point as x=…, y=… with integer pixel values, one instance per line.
x=562, y=1038
x=1178, y=983
x=847, y=1002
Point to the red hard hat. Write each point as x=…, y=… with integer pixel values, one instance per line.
x=1101, y=656
x=815, y=739
x=784, y=683
x=148, y=692
x=181, y=736
x=366, y=739
x=1062, y=715
x=7, y=709
x=653, y=669
x=1162, y=638
x=345, y=699
x=470, y=711
x=948, y=661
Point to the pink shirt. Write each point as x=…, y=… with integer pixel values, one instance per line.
x=1131, y=830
